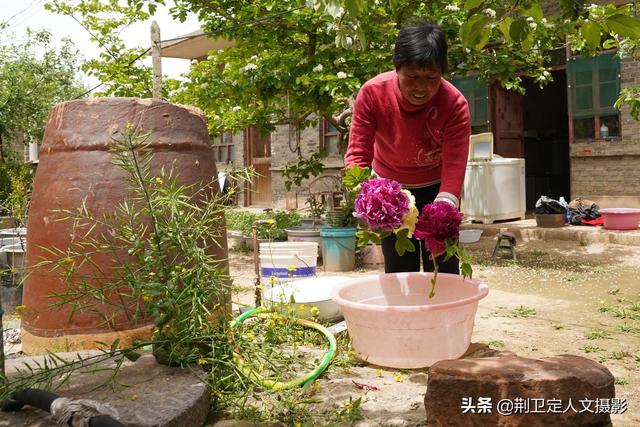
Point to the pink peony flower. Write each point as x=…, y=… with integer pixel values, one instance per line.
x=381, y=204
x=438, y=222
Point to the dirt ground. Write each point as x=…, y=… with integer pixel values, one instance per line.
x=558, y=297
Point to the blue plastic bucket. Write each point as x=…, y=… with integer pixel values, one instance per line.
x=338, y=248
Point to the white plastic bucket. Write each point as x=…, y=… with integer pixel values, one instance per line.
x=392, y=321
x=285, y=261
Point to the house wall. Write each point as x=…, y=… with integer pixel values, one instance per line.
x=607, y=171
x=284, y=141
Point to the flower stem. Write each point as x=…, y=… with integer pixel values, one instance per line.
x=432, y=293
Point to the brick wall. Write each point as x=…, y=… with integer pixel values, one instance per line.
x=284, y=141
x=607, y=171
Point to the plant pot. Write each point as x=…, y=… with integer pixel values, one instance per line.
x=338, y=248
x=551, y=220
x=248, y=240
x=392, y=321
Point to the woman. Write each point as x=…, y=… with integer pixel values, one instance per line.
x=413, y=126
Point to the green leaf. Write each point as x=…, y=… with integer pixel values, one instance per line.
x=591, y=33
x=354, y=7
x=472, y=4
x=130, y=354
x=466, y=270
x=535, y=11
x=504, y=26
x=471, y=32
x=114, y=344
x=609, y=44
x=403, y=245
x=519, y=30
x=626, y=26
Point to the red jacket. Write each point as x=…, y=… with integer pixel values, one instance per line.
x=415, y=145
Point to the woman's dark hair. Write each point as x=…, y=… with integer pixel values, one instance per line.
x=423, y=44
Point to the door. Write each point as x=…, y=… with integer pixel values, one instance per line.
x=259, y=156
x=507, y=122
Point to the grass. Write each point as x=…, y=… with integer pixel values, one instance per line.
x=621, y=381
x=523, y=311
x=598, y=334
x=588, y=348
x=494, y=343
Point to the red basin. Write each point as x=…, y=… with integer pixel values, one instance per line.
x=621, y=218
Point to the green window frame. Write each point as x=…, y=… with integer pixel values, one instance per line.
x=594, y=87
x=477, y=94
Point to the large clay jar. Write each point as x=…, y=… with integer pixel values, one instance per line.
x=76, y=166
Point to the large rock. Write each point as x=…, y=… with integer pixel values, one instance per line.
x=144, y=394
x=536, y=392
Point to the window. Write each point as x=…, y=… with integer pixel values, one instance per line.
x=223, y=148
x=477, y=94
x=330, y=139
x=594, y=85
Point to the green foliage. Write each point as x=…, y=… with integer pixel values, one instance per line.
x=242, y=220
x=305, y=168
x=293, y=59
x=15, y=187
x=34, y=77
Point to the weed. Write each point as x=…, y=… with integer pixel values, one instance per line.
x=523, y=311
x=494, y=343
x=629, y=329
x=557, y=326
x=621, y=381
x=614, y=291
x=570, y=278
x=588, y=348
x=583, y=242
x=597, y=334
x=538, y=253
x=350, y=410
x=618, y=355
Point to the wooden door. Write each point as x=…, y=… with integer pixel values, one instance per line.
x=259, y=156
x=507, y=122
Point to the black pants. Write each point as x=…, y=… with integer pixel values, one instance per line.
x=410, y=261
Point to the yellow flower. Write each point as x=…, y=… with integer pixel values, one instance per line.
x=379, y=373
x=202, y=361
x=21, y=308
x=398, y=377
x=315, y=311
x=291, y=268
x=273, y=280
x=151, y=273
x=146, y=297
x=249, y=336
x=159, y=180
x=134, y=397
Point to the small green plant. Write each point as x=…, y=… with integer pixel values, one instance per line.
x=570, y=278
x=621, y=381
x=629, y=329
x=588, y=348
x=523, y=311
x=494, y=343
x=350, y=410
x=598, y=334
x=619, y=355
x=538, y=253
x=614, y=291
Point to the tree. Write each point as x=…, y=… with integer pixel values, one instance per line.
x=298, y=57
x=31, y=85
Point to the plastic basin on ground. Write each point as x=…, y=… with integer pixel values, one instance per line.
x=471, y=235
x=392, y=321
x=620, y=218
x=307, y=293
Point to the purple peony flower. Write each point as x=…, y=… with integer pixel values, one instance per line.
x=381, y=204
x=438, y=222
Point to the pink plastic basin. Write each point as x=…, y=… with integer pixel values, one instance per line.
x=621, y=218
x=393, y=323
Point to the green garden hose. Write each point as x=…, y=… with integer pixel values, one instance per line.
x=297, y=382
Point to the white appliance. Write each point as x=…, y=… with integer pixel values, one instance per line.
x=494, y=190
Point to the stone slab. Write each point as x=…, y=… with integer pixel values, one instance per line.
x=145, y=394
